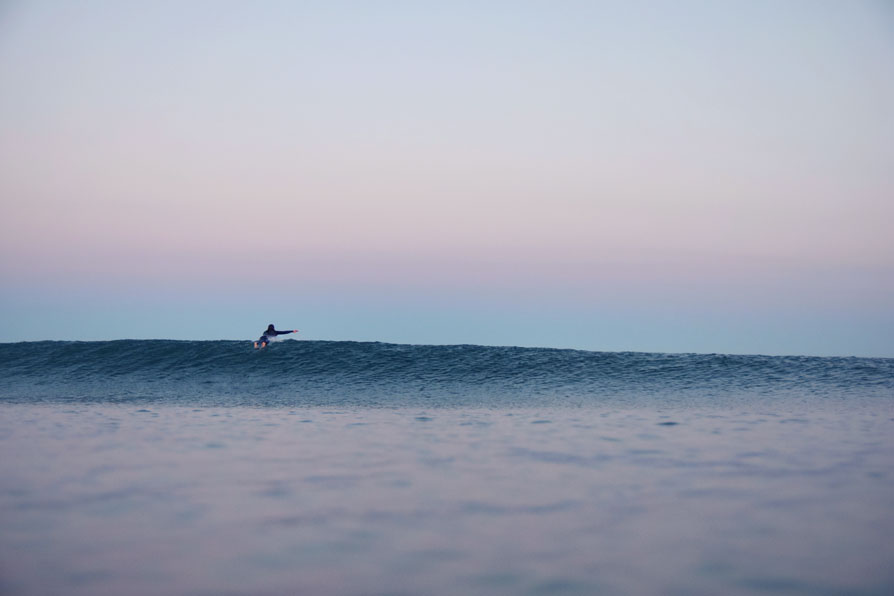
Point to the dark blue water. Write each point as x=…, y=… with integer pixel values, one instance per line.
x=322, y=373
x=311, y=467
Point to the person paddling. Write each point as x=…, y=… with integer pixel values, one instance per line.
x=270, y=332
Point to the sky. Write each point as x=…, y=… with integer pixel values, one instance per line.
x=687, y=176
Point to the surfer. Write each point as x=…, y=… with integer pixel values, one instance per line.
x=270, y=332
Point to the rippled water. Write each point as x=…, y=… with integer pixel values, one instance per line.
x=339, y=468
x=108, y=499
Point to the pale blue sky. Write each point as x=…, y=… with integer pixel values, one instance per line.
x=669, y=176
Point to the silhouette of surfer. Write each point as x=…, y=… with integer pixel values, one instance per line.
x=270, y=332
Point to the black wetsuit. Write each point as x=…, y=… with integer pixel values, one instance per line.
x=271, y=332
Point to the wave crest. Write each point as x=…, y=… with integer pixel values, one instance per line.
x=379, y=374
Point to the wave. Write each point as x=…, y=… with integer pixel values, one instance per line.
x=379, y=374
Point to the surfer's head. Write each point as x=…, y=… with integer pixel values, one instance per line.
x=270, y=327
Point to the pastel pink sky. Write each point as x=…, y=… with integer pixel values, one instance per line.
x=566, y=160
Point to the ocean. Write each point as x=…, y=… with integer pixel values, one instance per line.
x=312, y=467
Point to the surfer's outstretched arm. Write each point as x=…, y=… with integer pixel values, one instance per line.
x=285, y=332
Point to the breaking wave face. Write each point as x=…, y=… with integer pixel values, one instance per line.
x=362, y=374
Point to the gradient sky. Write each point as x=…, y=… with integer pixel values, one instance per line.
x=649, y=176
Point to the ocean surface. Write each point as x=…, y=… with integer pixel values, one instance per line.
x=208, y=467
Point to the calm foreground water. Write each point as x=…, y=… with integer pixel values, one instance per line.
x=335, y=468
